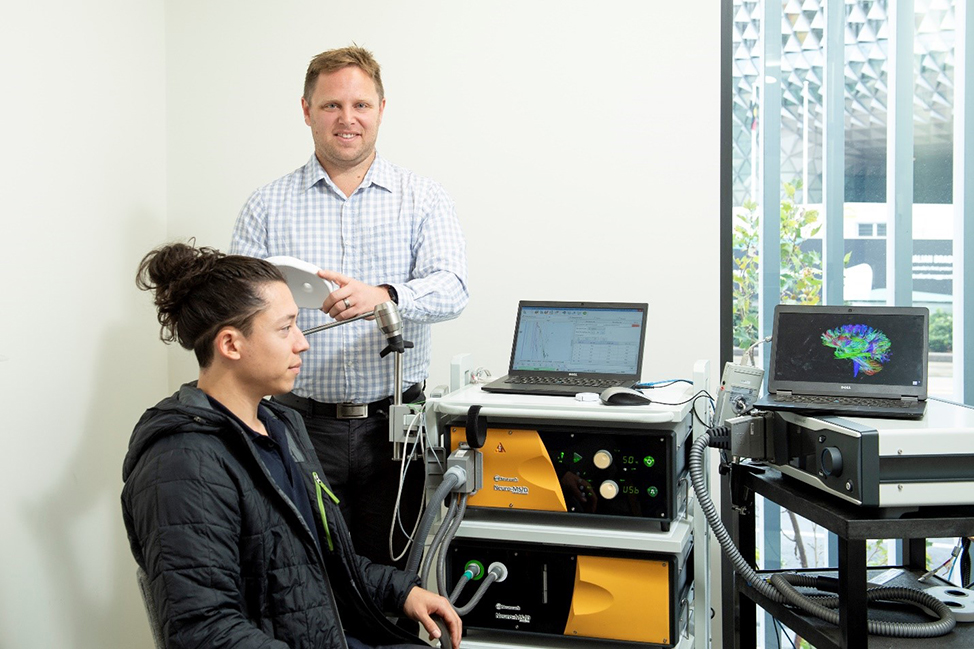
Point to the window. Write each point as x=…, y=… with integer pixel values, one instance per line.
x=790, y=177
x=804, y=166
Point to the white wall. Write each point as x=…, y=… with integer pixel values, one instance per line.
x=580, y=142
x=82, y=162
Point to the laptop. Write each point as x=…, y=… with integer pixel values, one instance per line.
x=563, y=348
x=849, y=360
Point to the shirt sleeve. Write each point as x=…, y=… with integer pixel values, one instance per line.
x=250, y=231
x=437, y=289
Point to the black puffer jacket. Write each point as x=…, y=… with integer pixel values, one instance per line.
x=231, y=562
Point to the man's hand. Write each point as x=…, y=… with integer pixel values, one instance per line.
x=352, y=297
x=421, y=604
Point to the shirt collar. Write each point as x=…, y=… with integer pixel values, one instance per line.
x=271, y=423
x=379, y=174
x=314, y=173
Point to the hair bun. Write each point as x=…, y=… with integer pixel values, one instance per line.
x=199, y=290
x=172, y=273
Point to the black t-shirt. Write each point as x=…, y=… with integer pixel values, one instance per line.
x=276, y=458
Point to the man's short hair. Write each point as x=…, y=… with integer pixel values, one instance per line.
x=334, y=60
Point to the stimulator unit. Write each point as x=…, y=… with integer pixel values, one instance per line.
x=613, y=470
x=619, y=595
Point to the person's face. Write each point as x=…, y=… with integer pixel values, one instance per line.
x=270, y=355
x=344, y=115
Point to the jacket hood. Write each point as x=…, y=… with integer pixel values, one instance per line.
x=188, y=410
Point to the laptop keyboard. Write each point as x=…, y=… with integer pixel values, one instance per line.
x=845, y=401
x=562, y=380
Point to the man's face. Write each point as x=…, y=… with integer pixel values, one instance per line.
x=344, y=116
x=270, y=358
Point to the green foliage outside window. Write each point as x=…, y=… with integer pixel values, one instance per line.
x=941, y=331
x=801, y=270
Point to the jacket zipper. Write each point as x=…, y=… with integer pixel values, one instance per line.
x=355, y=582
x=319, y=488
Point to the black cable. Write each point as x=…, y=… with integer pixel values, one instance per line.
x=693, y=407
x=783, y=631
x=965, y=560
x=691, y=400
x=696, y=396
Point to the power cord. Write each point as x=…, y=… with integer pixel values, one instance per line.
x=711, y=411
x=480, y=375
x=660, y=384
x=950, y=560
x=419, y=443
x=780, y=630
x=691, y=400
x=748, y=357
x=965, y=562
x=698, y=395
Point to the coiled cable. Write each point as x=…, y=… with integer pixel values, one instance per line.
x=437, y=540
x=781, y=589
x=451, y=479
x=441, y=553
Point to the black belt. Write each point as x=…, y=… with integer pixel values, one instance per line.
x=312, y=408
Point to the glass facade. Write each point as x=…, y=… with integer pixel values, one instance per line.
x=783, y=190
x=865, y=124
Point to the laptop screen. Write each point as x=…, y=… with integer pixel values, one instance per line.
x=579, y=337
x=858, y=351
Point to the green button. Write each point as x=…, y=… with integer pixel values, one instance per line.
x=649, y=460
x=577, y=458
x=653, y=492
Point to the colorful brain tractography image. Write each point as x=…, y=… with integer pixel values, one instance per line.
x=867, y=348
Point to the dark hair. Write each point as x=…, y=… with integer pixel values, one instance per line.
x=198, y=291
x=335, y=60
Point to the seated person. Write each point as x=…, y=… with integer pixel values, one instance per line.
x=226, y=506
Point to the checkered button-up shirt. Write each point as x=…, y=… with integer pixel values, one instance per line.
x=396, y=228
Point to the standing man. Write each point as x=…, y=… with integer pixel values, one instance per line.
x=380, y=233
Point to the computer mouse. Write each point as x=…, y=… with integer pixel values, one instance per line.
x=618, y=396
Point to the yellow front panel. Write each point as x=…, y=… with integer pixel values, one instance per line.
x=621, y=599
x=518, y=473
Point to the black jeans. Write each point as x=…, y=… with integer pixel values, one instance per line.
x=357, y=458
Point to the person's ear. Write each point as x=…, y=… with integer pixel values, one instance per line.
x=228, y=343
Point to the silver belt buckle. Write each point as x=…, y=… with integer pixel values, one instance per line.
x=351, y=410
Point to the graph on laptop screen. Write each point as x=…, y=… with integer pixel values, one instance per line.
x=578, y=340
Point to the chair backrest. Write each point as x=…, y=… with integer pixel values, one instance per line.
x=154, y=623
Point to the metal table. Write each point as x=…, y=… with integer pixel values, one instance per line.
x=853, y=526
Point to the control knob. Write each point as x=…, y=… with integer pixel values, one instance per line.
x=609, y=489
x=602, y=459
x=831, y=461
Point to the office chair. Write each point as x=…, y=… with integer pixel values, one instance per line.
x=155, y=624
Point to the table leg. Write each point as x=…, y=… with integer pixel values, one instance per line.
x=747, y=616
x=852, y=593
x=916, y=553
